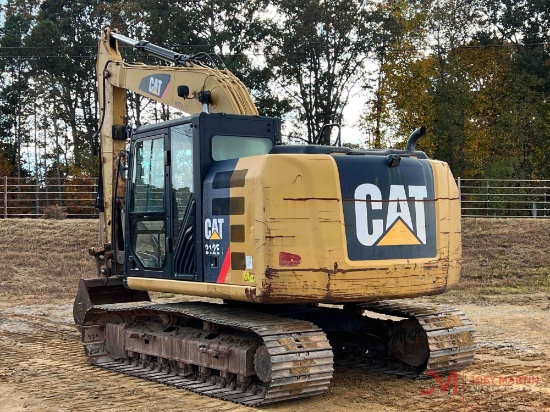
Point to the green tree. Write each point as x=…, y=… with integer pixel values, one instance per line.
x=68, y=68
x=13, y=96
x=317, y=52
x=232, y=30
x=397, y=41
x=524, y=25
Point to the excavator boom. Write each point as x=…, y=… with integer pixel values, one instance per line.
x=191, y=86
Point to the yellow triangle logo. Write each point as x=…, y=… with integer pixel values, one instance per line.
x=399, y=234
x=215, y=236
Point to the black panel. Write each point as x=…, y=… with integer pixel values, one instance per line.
x=238, y=261
x=228, y=206
x=215, y=227
x=236, y=206
x=237, y=233
x=321, y=149
x=385, y=205
x=226, y=180
x=220, y=206
x=155, y=84
x=238, y=178
x=222, y=180
x=308, y=149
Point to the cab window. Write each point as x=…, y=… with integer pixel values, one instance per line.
x=226, y=147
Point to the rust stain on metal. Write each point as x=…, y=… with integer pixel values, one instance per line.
x=270, y=272
x=251, y=294
x=303, y=342
x=287, y=343
x=304, y=199
x=296, y=387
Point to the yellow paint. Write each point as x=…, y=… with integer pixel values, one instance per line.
x=448, y=220
x=293, y=204
x=112, y=106
x=399, y=234
x=215, y=236
x=213, y=290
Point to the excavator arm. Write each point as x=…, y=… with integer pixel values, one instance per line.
x=191, y=84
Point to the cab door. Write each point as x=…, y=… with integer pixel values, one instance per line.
x=184, y=195
x=147, y=237
x=160, y=238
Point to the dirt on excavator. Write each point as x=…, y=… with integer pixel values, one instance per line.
x=43, y=368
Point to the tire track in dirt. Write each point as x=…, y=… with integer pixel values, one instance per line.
x=50, y=366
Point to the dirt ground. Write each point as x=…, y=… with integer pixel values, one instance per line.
x=42, y=367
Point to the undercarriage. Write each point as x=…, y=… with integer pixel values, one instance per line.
x=261, y=354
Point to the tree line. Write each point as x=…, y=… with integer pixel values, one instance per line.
x=476, y=73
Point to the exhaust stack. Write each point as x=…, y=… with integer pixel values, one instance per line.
x=413, y=138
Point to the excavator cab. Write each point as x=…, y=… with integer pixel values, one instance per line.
x=173, y=205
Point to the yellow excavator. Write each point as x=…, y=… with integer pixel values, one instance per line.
x=301, y=245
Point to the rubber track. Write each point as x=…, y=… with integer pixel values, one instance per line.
x=451, y=339
x=290, y=343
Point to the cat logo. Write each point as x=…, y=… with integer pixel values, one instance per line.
x=391, y=225
x=213, y=229
x=155, y=86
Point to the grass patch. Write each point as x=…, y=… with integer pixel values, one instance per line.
x=43, y=260
x=505, y=254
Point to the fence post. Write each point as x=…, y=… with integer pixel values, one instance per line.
x=459, y=195
x=5, y=197
x=487, y=202
x=36, y=197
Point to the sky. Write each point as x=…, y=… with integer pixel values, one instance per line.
x=353, y=111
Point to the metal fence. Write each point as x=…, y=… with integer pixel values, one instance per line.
x=504, y=198
x=27, y=197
